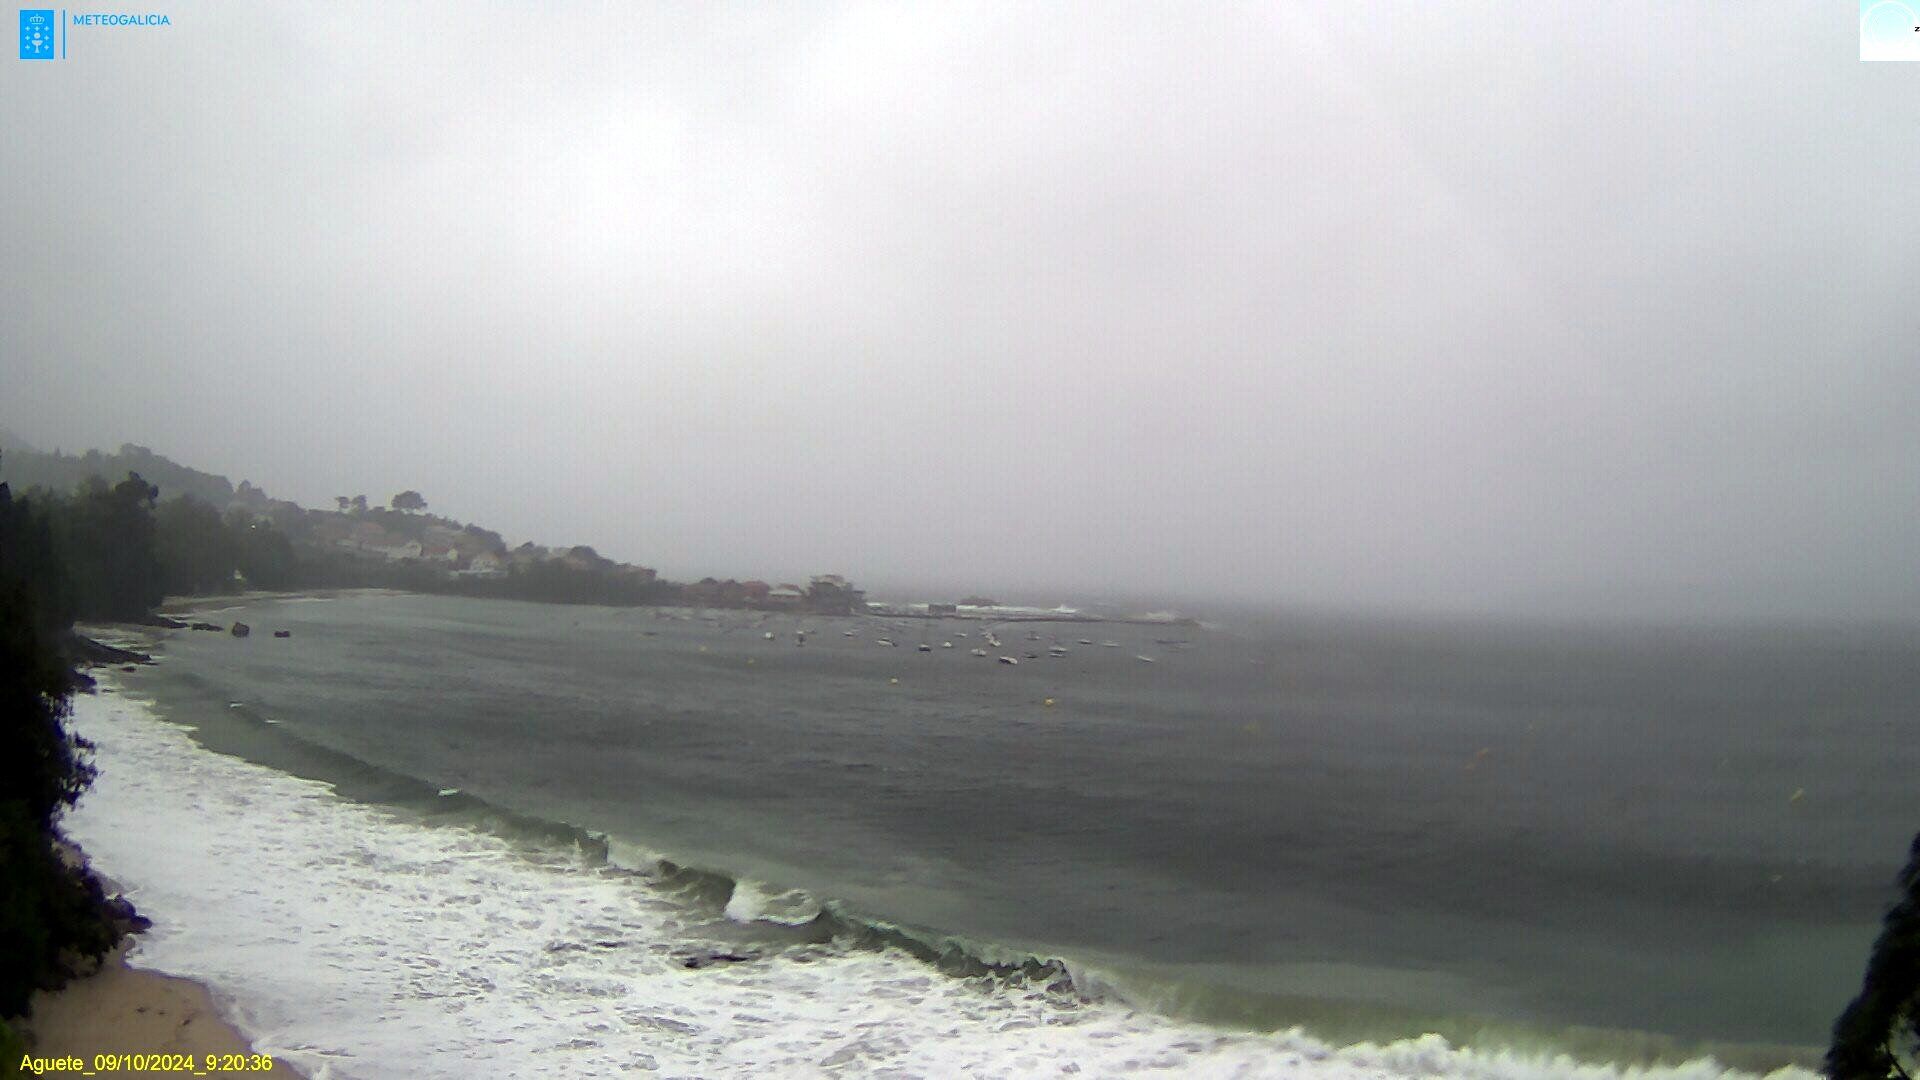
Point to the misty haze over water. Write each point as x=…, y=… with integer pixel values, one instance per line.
x=1497, y=308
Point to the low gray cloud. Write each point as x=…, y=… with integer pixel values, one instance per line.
x=1508, y=307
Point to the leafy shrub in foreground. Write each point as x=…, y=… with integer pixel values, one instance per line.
x=1882, y=1025
x=53, y=915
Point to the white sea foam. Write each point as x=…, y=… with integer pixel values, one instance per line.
x=753, y=901
x=626, y=856
x=356, y=943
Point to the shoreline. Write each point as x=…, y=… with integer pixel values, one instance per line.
x=122, y=1009
x=187, y=605
x=654, y=984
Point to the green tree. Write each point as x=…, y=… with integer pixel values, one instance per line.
x=489, y=540
x=50, y=913
x=198, y=552
x=266, y=556
x=410, y=501
x=1882, y=1024
x=106, y=535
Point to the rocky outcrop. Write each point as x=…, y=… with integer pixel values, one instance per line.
x=694, y=963
x=88, y=651
x=124, y=918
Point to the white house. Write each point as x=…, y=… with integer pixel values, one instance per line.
x=486, y=564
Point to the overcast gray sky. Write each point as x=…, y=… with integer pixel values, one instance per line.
x=1507, y=307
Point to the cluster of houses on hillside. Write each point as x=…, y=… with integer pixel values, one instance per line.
x=579, y=557
x=457, y=550
x=827, y=594
x=473, y=553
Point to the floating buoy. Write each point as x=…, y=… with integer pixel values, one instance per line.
x=1798, y=794
x=893, y=682
x=1048, y=703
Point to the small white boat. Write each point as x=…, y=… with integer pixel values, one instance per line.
x=946, y=644
x=1144, y=659
x=886, y=642
x=1009, y=660
x=925, y=648
x=980, y=652
x=768, y=635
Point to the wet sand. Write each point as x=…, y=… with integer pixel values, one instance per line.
x=123, y=1010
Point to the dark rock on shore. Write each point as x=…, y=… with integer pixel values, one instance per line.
x=207, y=626
x=241, y=629
x=88, y=651
x=164, y=621
x=695, y=963
x=125, y=919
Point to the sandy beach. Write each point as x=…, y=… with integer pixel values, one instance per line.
x=124, y=1010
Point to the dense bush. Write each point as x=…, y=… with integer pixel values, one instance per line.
x=197, y=549
x=265, y=555
x=52, y=914
x=109, y=541
x=122, y=549
x=1882, y=1025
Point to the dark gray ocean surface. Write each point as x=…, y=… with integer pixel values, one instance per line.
x=1513, y=835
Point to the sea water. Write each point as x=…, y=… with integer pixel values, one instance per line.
x=424, y=836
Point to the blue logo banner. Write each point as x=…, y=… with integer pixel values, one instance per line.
x=37, y=29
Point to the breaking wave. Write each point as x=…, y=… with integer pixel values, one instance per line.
x=429, y=933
